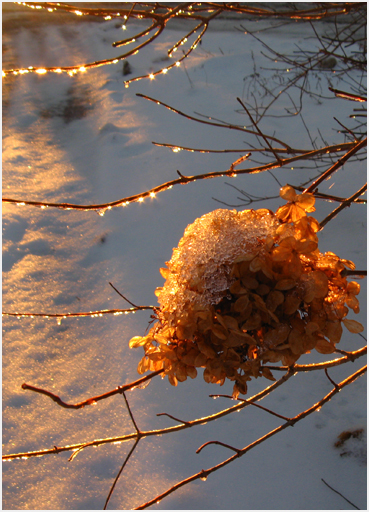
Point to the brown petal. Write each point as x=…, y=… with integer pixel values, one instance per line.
x=353, y=325
x=287, y=193
x=200, y=360
x=274, y=299
x=256, y=264
x=219, y=332
x=241, y=303
x=191, y=372
x=253, y=322
x=353, y=288
x=250, y=282
x=206, y=349
x=267, y=374
x=285, y=284
x=306, y=201
x=137, y=341
x=231, y=322
x=296, y=342
x=352, y=301
x=333, y=331
x=291, y=303
x=172, y=379
x=281, y=253
x=262, y=289
x=325, y=347
x=306, y=246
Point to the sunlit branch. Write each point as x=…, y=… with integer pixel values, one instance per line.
x=93, y=400
x=183, y=180
x=71, y=70
x=175, y=64
x=251, y=403
x=91, y=314
x=124, y=438
x=344, y=204
x=348, y=96
x=350, y=356
x=203, y=474
x=336, y=166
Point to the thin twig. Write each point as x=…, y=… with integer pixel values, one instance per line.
x=221, y=444
x=123, y=297
x=336, y=166
x=342, y=496
x=259, y=131
x=345, y=204
x=254, y=404
x=120, y=472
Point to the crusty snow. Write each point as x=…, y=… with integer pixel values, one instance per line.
x=88, y=139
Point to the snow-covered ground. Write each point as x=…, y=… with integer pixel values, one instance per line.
x=88, y=139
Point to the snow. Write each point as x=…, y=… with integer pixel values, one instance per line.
x=88, y=139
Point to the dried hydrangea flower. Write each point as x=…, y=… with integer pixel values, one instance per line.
x=247, y=288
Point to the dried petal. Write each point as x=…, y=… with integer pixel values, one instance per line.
x=306, y=201
x=287, y=193
x=172, y=379
x=296, y=342
x=137, y=341
x=285, y=284
x=325, y=347
x=267, y=373
x=274, y=299
x=191, y=372
x=241, y=303
x=353, y=288
x=165, y=272
x=353, y=325
x=200, y=360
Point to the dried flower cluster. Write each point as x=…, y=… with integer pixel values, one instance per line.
x=248, y=288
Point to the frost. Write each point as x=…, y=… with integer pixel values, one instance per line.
x=199, y=270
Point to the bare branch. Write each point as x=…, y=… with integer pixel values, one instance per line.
x=102, y=208
x=91, y=314
x=337, y=492
x=336, y=165
x=344, y=204
x=204, y=473
x=93, y=400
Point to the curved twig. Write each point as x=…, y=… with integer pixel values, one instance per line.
x=93, y=400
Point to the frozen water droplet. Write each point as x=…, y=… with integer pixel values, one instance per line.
x=101, y=212
x=59, y=321
x=203, y=478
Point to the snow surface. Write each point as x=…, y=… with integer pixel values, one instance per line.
x=87, y=139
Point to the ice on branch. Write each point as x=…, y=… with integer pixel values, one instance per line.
x=247, y=288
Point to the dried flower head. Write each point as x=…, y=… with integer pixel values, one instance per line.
x=247, y=288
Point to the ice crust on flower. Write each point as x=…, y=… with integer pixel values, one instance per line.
x=199, y=270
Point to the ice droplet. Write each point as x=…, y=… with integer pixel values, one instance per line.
x=203, y=478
